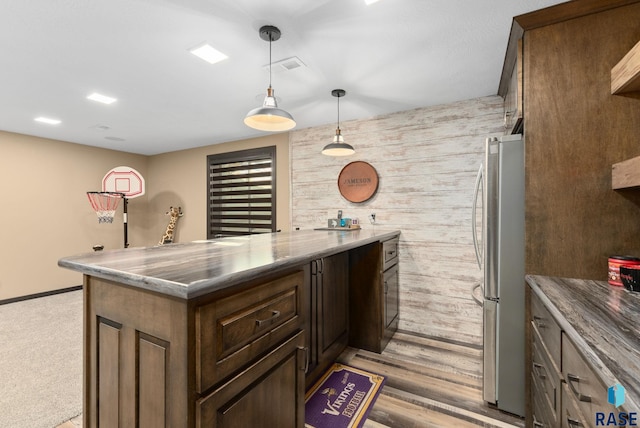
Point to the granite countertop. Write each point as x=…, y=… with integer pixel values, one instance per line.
x=192, y=269
x=603, y=322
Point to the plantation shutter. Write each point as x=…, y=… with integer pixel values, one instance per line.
x=241, y=190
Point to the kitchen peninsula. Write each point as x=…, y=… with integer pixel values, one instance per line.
x=222, y=332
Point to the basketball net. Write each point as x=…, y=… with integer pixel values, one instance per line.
x=105, y=204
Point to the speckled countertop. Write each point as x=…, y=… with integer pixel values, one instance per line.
x=188, y=270
x=603, y=322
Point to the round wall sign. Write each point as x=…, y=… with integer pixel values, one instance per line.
x=358, y=181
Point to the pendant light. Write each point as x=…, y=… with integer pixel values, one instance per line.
x=269, y=117
x=338, y=147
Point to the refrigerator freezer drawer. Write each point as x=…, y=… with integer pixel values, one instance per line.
x=490, y=311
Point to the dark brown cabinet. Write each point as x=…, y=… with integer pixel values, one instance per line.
x=565, y=390
x=237, y=356
x=374, y=295
x=513, y=96
x=223, y=360
x=276, y=381
x=545, y=366
x=328, y=323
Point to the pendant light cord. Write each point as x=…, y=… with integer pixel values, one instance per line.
x=338, y=111
x=270, y=39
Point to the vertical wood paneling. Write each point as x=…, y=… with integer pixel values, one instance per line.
x=108, y=374
x=152, y=382
x=427, y=160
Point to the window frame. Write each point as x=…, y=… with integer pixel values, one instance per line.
x=248, y=155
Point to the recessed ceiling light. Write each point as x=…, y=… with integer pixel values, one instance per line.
x=47, y=120
x=208, y=53
x=368, y=2
x=101, y=98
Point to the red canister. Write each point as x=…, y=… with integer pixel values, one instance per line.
x=614, y=267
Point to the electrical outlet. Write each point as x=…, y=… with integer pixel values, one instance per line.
x=372, y=218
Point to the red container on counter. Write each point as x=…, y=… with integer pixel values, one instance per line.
x=614, y=267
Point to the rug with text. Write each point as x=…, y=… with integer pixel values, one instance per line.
x=342, y=398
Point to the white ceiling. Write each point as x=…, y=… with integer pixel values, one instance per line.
x=390, y=56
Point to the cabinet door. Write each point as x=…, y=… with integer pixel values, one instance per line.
x=333, y=297
x=513, y=97
x=270, y=393
x=391, y=297
x=391, y=307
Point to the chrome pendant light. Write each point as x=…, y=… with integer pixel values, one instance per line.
x=338, y=147
x=269, y=117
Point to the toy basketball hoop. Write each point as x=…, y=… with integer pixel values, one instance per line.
x=105, y=204
x=121, y=182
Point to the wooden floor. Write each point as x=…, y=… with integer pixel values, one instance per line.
x=429, y=383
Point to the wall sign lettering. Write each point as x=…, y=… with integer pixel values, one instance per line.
x=358, y=181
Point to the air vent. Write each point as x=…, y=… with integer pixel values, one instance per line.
x=288, y=64
x=114, y=138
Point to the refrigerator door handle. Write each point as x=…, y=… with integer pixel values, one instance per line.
x=473, y=293
x=476, y=244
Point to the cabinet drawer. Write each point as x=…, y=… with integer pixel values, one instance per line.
x=549, y=330
x=571, y=415
x=390, y=253
x=269, y=393
x=547, y=378
x=233, y=331
x=584, y=386
x=541, y=410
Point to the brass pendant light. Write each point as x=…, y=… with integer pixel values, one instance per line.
x=338, y=147
x=269, y=117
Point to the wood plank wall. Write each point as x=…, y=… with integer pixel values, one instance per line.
x=427, y=160
x=575, y=130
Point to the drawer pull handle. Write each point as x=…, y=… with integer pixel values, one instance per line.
x=536, y=369
x=573, y=378
x=306, y=357
x=536, y=423
x=573, y=422
x=274, y=315
x=538, y=321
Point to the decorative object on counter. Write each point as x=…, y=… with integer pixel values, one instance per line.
x=342, y=398
x=630, y=277
x=174, y=214
x=341, y=223
x=358, y=181
x=269, y=117
x=338, y=147
x=121, y=182
x=615, y=262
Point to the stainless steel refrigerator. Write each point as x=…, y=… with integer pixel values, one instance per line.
x=500, y=252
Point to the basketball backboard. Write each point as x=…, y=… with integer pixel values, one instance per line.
x=124, y=179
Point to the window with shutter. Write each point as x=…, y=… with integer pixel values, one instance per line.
x=242, y=192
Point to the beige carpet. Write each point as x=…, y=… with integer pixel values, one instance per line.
x=41, y=361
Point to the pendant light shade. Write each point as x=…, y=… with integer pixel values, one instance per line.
x=338, y=147
x=269, y=117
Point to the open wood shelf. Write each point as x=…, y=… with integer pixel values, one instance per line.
x=626, y=174
x=625, y=75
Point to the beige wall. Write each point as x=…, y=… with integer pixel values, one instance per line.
x=46, y=214
x=180, y=179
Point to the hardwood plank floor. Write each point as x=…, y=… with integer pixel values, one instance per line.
x=429, y=383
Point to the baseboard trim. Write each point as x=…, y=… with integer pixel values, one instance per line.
x=37, y=295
